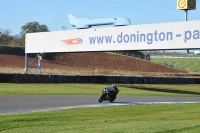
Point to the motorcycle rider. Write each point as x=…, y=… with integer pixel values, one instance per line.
x=114, y=89
x=109, y=93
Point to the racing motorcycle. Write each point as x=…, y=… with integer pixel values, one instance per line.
x=108, y=95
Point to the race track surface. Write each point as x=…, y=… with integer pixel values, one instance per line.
x=25, y=104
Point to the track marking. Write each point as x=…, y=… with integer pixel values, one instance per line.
x=96, y=105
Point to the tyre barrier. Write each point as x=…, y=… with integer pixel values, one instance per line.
x=27, y=78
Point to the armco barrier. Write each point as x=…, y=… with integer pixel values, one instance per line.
x=22, y=78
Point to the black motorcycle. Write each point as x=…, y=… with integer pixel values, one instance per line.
x=108, y=95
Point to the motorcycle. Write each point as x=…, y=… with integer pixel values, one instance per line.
x=108, y=95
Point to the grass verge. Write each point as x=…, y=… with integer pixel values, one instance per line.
x=184, y=118
x=192, y=64
x=95, y=89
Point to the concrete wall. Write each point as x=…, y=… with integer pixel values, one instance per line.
x=22, y=78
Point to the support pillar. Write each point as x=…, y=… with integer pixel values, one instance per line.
x=26, y=64
x=38, y=58
x=186, y=15
x=39, y=64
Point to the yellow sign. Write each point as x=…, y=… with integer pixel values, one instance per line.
x=186, y=4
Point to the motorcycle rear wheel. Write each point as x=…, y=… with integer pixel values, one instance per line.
x=112, y=99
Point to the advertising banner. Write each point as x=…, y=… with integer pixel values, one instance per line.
x=163, y=36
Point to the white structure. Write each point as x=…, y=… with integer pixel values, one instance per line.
x=164, y=36
x=85, y=23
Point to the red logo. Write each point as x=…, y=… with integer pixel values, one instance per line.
x=72, y=41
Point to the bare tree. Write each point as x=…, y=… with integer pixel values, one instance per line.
x=5, y=37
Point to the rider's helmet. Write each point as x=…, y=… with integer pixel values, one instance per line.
x=113, y=84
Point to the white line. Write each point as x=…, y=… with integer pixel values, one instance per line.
x=96, y=105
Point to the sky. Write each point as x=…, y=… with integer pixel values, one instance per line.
x=54, y=13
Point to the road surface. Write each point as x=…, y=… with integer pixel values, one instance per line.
x=30, y=103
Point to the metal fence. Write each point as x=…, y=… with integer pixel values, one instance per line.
x=148, y=57
x=145, y=57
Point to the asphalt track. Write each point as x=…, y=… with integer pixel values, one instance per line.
x=30, y=103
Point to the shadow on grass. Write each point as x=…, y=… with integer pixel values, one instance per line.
x=164, y=90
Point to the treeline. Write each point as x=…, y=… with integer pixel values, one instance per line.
x=6, y=39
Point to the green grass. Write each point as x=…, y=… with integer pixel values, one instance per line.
x=179, y=118
x=192, y=64
x=95, y=89
x=168, y=118
x=184, y=55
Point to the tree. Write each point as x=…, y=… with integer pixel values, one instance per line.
x=0, y=32
x=32, y=27
x=17, y=40
x=5, y=37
